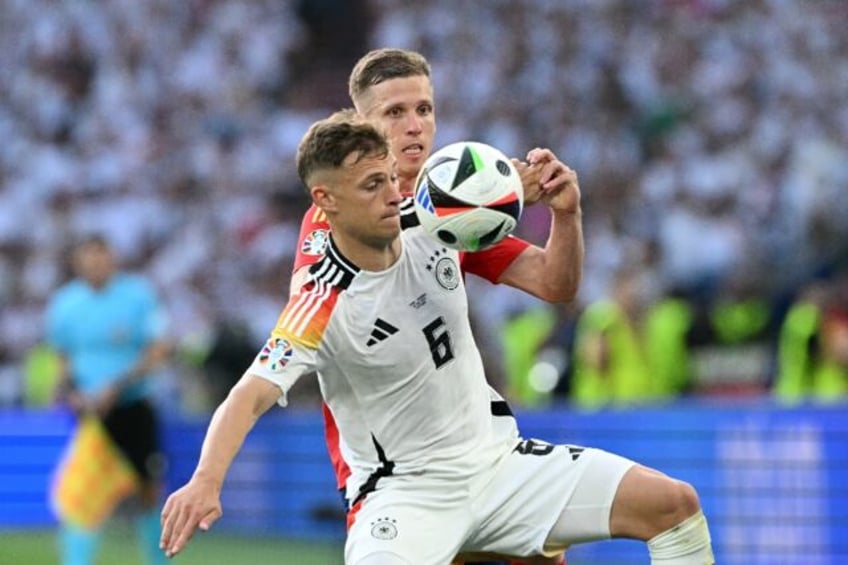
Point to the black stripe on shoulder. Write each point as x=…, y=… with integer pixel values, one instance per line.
x=333, y=268
x=408, y=217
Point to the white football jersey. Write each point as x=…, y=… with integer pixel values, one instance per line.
x=397, y=364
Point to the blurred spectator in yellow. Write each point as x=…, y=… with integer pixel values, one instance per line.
x=813, y=346
x=735, y=355
x=667, y=344
x=631, y=348
x=42, y=368
x=522, y=336
x=537, y=345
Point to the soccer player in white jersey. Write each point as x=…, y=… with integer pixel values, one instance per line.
x=392, y=88
x=431, y=476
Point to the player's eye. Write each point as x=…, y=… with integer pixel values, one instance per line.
x=425, y=110
x=374, y=184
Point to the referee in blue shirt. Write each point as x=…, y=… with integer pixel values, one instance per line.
x=109, y=328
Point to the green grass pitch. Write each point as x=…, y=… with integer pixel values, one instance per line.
x=119, y=547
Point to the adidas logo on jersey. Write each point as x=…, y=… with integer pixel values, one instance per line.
x=575, y=452
x=382, y=330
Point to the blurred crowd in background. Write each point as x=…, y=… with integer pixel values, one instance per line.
x=710, y=136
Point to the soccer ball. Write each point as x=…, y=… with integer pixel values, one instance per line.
x=468, y=195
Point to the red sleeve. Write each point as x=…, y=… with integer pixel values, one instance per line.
x=314, y=235
x=490, y=263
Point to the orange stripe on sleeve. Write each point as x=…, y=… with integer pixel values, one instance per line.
x=307, y=314
x=318, y=216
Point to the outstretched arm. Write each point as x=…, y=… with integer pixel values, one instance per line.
x=553, y=273
x=198, y=503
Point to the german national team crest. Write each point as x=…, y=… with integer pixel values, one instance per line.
x=276, y=353
x=384, y=528
x=447, y=273
x=315, y=243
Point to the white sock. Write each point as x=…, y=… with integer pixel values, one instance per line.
x=687, y=543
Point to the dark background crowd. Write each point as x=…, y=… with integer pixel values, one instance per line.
x=710, y=136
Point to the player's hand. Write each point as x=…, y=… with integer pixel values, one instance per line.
x=195, y=505
x=77, y=402
x=557, y=183
x=530, y=175
x=106, y=400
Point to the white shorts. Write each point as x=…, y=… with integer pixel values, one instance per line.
x=509, y=510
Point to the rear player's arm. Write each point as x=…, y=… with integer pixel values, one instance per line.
x=553, y=273
x=198, y=503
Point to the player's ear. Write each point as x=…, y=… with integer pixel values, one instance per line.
x=323, y=197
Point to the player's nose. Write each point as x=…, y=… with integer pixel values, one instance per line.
x=413, y=123
x=393, y=194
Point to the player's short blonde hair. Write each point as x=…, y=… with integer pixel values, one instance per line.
x=383, y=64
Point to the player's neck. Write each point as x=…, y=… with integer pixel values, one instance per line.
x=407, y=185
x=97, y=282
x=368, y=256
